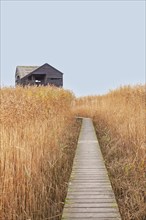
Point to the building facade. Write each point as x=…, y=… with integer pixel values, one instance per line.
x=35, y=75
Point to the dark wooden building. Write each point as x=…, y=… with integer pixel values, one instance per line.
x=35, y=75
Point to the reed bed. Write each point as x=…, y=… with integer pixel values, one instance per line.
x=120, y=121
x=38, y=142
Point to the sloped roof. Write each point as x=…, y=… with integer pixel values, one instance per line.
x=25, y=70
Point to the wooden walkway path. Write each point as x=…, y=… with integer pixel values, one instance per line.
x=90, y=195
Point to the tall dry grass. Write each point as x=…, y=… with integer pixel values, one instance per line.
x=38, y=141
x=120, y=121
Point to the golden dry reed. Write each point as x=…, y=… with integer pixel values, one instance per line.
x=38, y=140
x=120, y=121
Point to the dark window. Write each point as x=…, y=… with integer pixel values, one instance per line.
x=17, y=78
x=54, y=78
x=38, y=79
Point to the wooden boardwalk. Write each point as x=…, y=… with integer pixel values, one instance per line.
x=90, y=195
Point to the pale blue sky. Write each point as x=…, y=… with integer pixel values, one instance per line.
x=98, y=45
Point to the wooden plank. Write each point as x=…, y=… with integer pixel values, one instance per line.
x=90, y=181
x=91, y=191
x=93, y=218
x=94, y=200
x=90, y=185
x=91, y=205
x=88, y=172
x=85, y=215
x=90, y=194
x=91, y=210
x=95, y=189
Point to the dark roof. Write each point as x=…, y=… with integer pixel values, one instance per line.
x=25, y=71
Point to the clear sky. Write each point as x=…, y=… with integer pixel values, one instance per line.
x=98, y=45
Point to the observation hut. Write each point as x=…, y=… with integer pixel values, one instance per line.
x=38, y=75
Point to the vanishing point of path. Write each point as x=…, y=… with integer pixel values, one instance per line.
x=90, y=195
